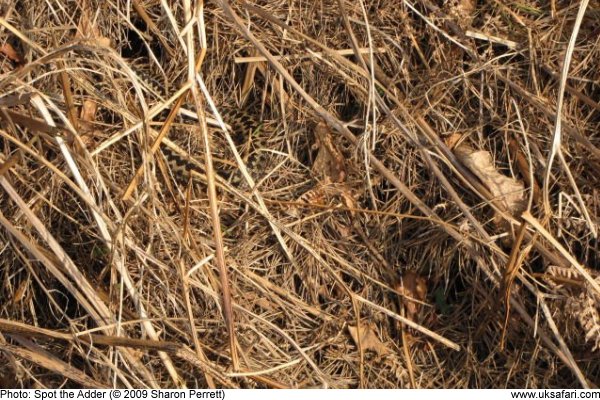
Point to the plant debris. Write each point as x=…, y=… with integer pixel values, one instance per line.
x=299, y=194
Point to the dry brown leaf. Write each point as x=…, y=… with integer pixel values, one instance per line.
x=330, y=164
x=11, y=53
x=369, y=339
x=452, y=139
x=345, y=231
x=88, y=111
x=88, y=30
x=462, y=11
x=413, y=288
x=329, y=168
x=264, y=304
x=21, y=290
x=507, y=191
x=348, y=198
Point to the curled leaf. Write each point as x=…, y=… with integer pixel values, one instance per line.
x=507, y=191
x=11, y=53
x=368, y=339
x=414, y=289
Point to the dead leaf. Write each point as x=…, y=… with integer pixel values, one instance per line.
x=88, y=111
x=88, y=30
x=103, y=41
x=20, y=293
x=452, y=139
x=330, y=163
x=413, y=288
x=462, y=11
x=508, y=192
x=345, y=231
x=348, y=198
x=11, y=53
x=369, y=339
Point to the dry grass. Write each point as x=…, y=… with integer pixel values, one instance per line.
x=451, y=243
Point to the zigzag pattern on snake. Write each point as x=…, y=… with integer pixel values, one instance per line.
x=241, y=122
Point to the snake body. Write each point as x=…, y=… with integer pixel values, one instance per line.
x=242, y=124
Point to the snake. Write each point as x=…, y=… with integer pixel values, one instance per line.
x=241, y=121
